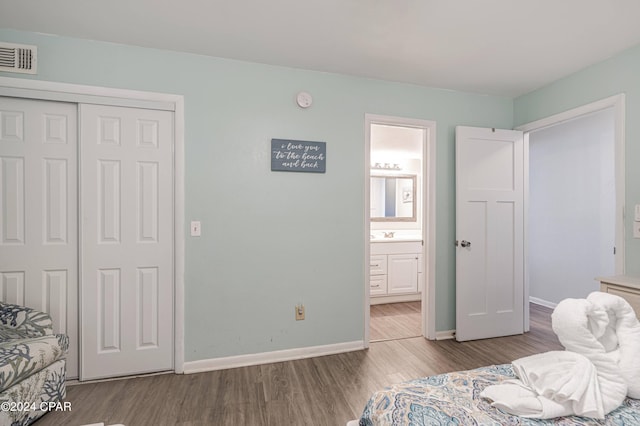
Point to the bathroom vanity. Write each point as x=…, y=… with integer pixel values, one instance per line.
x=396, y=253
x=396, y=270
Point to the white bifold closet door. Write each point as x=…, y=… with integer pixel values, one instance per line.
x=126, y=254
x=38, y=212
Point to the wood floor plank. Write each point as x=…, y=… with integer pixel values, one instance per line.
x=319, y=391
x=395, y=321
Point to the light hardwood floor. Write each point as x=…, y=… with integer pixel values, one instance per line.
x=395, y=321
x=326, y=390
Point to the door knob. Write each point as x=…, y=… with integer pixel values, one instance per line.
x=465, y=243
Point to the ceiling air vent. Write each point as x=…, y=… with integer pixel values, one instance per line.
x=18, y=58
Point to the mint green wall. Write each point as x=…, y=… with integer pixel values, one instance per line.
x=271, y=240
x=619, y=74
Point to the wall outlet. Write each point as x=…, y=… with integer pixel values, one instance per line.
x=299, y=312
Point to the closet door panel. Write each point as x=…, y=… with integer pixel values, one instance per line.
x=38, y=212
x=127, y=229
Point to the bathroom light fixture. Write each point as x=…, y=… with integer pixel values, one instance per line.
x=386, y=166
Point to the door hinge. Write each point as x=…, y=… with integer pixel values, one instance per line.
x=614, y=250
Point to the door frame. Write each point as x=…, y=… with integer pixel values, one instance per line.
x=66, y=92
x=617, y=102
x=428, y=310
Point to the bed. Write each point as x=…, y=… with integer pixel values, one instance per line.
x=453, y=399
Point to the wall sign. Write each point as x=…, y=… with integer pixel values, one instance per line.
x=298, y=156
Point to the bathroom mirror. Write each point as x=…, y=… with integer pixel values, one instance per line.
x=393, y=198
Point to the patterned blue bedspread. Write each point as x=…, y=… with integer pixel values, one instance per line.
x=454, y=399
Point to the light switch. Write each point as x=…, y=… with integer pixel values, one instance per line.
x=636, y=229
x=636, y=215
x=196, y=229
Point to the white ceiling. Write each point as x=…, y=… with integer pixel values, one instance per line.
x=499, y=47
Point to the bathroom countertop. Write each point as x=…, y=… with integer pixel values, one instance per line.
x=398, y=239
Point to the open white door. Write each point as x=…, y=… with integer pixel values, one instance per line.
x=489, y=233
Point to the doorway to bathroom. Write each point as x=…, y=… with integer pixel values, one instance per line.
x=399, y=187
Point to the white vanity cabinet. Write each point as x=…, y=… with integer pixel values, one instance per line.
x=395, y=271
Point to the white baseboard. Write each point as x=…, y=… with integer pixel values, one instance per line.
x=397, y=298
x=445, y=335
x=542, y=302
x=270, y=357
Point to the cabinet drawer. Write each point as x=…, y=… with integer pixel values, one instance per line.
x=378, y=285
x=378, y=265
x=633, y=297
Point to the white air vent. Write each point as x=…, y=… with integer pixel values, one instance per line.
x=18, y=58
